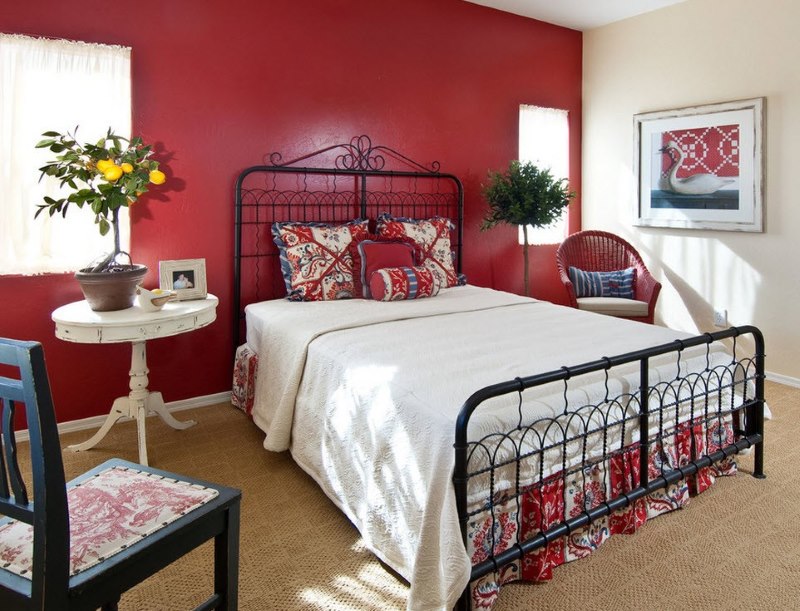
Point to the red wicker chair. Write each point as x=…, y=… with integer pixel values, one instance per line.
x=599, y=251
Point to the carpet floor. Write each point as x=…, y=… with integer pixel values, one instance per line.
x=733, y=547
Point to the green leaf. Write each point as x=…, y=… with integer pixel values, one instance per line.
x=51, y=134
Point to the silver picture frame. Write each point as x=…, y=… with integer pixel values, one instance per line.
x=185, y=277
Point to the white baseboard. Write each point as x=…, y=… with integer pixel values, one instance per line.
x=96, y=422
x=782, y=379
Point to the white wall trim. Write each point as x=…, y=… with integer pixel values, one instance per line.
x=96, y=421
x=782, y=379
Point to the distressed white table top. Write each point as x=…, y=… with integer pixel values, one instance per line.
x=77, y=322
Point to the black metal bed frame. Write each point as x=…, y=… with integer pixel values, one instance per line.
x=352, y=180
x=708, y=395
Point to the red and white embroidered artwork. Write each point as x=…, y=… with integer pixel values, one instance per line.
x=107, y=513
x=706, y=150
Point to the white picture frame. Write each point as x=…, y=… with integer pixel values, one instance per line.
x=701, y=167
x=185, y=277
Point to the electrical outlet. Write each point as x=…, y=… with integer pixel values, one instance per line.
x=720, y=318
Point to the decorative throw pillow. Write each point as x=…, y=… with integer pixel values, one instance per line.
x=372, y=255
x=433, y=237
x=316, y=260
x=617, y=283
x=396, y=283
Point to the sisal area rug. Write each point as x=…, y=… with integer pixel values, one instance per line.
x=736, y=546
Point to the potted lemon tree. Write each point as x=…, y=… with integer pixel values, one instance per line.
x=104, y=177
x=524, y=195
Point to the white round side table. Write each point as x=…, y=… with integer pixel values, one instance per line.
x=76, y=322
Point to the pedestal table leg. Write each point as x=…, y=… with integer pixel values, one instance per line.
x=138, y=404
x=137, y=398
x=155, y=403
x=118, y=410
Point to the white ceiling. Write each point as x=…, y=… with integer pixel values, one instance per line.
x=578, y=14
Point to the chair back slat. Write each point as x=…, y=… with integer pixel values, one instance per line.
x=4, y=493
x=8, y=459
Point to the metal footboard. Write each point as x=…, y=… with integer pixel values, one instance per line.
x=668, y=429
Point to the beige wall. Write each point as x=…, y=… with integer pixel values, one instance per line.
x=701, y=52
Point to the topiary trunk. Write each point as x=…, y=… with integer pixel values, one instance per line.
x=525, y=259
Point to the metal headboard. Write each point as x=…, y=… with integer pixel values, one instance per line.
x=334, y=184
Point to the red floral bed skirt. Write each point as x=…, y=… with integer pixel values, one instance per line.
x=559, y=497
x=245, y=367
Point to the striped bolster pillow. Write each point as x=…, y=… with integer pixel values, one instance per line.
x=396, y=283
x=618, y=283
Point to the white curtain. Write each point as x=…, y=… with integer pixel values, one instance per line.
x=54, y=85
x=544, y=140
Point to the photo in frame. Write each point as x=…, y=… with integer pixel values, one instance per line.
x=701, y=167
x=185, y=277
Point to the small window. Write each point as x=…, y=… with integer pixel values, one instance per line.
x=54, y=85
x=544, y=140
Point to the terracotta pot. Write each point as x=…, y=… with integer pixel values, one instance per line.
x=112, y=290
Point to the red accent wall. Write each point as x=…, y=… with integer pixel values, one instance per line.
x=219, y=84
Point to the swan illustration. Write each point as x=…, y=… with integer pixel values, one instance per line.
x=696, y=184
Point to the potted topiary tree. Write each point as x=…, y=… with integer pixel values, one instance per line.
x=105, y=177
x=524, y=195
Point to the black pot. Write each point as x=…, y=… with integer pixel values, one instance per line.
x=113, y=290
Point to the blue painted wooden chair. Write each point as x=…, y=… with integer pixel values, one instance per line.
x=82, y=545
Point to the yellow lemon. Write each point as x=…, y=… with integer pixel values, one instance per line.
x=103, y=165
x=157, y=291
x=126, y=167
x=112, y=173
x=157, y=177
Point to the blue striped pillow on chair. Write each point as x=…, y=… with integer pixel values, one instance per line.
x=618, y=283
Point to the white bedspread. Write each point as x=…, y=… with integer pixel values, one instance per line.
x=366, y=394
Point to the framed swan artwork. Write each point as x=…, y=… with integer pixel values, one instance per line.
x=701, y=167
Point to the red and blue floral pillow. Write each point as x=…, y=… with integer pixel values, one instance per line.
x=316, y=259
x=433, y=238
x=399, y=283
x=323, y=261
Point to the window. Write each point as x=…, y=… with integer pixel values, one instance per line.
x=544, y=140
x=54, y=85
